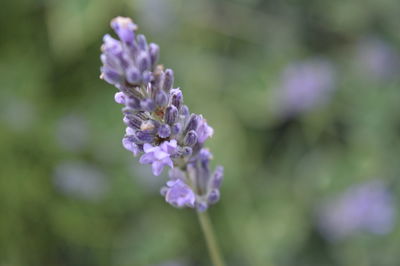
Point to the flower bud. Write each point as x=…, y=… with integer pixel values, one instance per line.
x=176, y=129
x=213, y=197
x=111, y=46
x=217, y=177
x=164, y=131
x=176, y=98
x=141, y=41
x=110, y=75
x=133, y=102
x=119, y=97
x=204, y=130
x=143, y=61
x=154, y=51
x=184, y=111
x=190, y=138
x=132, y=121
x=168, y=80
x=133, y=75
x=161, y=98
x=146, y=77
x=148, y=105
x=144, y=136
x=124, y=28
x=192, y=123
x=171, y=113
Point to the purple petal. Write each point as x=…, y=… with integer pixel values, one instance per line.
x=148, y=148
x=204, y=131
x=168, y=161
x=169, y=146
x=159, y=154
x=130, y=146
x=147, y=158
x=157, y=167
x=129, y=131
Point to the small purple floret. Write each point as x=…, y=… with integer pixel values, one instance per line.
x=130, y=145
x=179, y=194
x=124, y=27
x=159, y=156
x=204, y=131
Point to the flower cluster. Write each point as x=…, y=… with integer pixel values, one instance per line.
x=368, y=207
x=160, y=127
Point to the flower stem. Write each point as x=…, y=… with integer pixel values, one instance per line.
x=209, y=235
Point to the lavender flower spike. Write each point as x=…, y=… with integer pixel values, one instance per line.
x=160, y=127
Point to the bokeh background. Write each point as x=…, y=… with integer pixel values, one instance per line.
x=304, y=97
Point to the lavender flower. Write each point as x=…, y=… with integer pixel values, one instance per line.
x=367, y=207
x=160, y=127
x=376, y=59
x=305, y=85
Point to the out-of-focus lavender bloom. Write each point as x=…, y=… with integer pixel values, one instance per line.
x=80, y=180
x=159, y=126
x=72, y=132
x=376, y=59
x=367, y=207
x=305, y=85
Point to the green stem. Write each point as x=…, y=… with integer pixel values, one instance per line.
x=209, y=235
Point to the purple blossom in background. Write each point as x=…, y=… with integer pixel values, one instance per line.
x=80, y=180
x=305, y=85
x=376, y=59
x=368, y=207
x=160, y=127
x=72, y=132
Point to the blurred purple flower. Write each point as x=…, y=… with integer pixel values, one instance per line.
x=367, y=207
x=80, y=180
x=72, y=132
x=376, y=59
x=159, y=156
x=305, y=85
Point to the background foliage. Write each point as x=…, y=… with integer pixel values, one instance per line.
x=71, y=195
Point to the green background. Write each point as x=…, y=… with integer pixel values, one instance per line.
x=57, y=116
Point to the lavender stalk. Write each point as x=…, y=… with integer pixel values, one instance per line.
x=160, y=128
